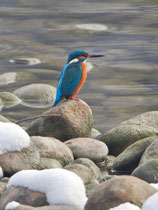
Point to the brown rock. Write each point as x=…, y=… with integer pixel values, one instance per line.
x=119, y=190
x=70, y=119
x=28, y=158
x=52, y=148
x=93, y=149
x=23, y=196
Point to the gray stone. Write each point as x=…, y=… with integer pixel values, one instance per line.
x=47, y=163
x=147, y=171
x=118, y=138
x=129, y=159
x=57, y=207
x=95, y=133
x=3, y=119
x=93, y=149
x=119, y=190
x=7, y=78
x=23, y=196
x=9, y=99
x=27, y=158
x=70, y=119
x=149, y=119
x=42, y=94
x=151, y=152
x=91, y=165
x=53, y=148
x=3, y=187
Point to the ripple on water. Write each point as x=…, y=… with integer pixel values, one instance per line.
x=92, y=27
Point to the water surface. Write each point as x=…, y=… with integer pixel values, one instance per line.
x=120, y=86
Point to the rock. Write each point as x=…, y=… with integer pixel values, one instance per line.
x=147, y=171
x=9, y=99
x=57, y=207
x=149, y=119
x=108, y=164
x=82, y=171
x=52, y=148
x=118, y=138
x=28, y=158
x=23, y=196
x=126, y=206
x=119, y=190
x=95, y=133
x=129, y=159
x=151, y=152
x=70, y=119
x=3, y=187
x=41, y=95
x=93, y=149
x=3, y=119
x=7, y=78
x=95, y=171
x=47, y=163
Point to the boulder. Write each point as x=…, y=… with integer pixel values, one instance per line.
x=52, y=148
x=27, y=158
x=151, y=152
x=149, y=119
x=70, y=119
x=41, y=95
x=23, y=196
x=93, y=149
x=120, y=137
x=56, y=207
x=147, y=171
x=129, y=159
x=119, y=190
x=9, y=99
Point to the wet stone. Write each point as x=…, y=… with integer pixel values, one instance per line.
x=120, y=137
x=147, y=171
x=7, y=78
x=9, y=99
x=129, y=159
x=93, y=149
x=151, y=152
x=39, y=95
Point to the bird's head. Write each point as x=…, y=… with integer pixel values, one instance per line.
x=80, y=55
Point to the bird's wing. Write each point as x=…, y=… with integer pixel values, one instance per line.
x=70, y=78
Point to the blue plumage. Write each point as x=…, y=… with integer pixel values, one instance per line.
x=73, y=75
x=68, y=81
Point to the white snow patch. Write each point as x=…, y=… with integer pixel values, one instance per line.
x=151, y=203
x=12, y=205
x=92, y=27
x=60, y=185
x=126, y=206
x=155, y=185
x=12, y=137
x=1, y=173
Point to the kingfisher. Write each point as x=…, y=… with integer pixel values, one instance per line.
x=73, y=75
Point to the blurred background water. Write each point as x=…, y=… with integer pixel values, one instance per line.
x=119, y=86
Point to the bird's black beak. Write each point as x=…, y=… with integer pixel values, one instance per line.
x=95, y=56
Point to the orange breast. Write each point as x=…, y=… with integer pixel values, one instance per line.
x=83, y=78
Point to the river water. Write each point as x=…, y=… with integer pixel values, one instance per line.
x=119, y=86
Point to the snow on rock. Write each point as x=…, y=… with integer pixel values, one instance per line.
x=12, y=205
x=151, y=203
x=155, y=185
x=60, y=185
x=126, y=206
x=12, y=137
x=1, y=173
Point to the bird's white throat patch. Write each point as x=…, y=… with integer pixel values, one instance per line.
x=76, y=60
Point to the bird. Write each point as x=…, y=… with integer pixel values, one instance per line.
x=73, y=75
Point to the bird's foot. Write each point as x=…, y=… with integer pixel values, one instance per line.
x=73, y=98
